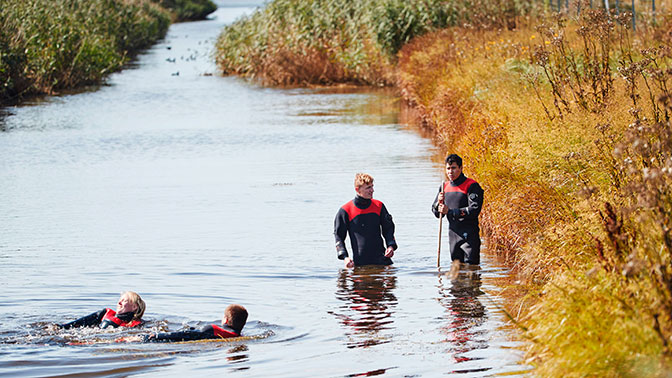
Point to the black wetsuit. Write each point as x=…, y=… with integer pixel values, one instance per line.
x=205, y=333
x=364, y=220
x=104, y=318
x=464, y=199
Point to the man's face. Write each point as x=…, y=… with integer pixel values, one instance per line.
x=453, y=171
x=365, y=191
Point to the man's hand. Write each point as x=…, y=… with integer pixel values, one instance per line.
x=441, y=207
x=130, y=339
x=389, y=252
x=348, y=262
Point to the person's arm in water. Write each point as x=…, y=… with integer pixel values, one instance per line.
x=205, y=333
x=340, y=232
x=90, y=320
x=387, y=226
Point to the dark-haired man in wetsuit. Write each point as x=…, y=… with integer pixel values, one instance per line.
x=364, y=219
x=235, y=317
x=130, y=309
x=460, y=200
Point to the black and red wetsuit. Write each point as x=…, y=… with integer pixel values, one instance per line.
x=464, y=199
x=206, y=332
x=105, y=318
x=364, y=220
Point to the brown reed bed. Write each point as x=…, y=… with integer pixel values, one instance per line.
x=566, y=126
x=294, y=42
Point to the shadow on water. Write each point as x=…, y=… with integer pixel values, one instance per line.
x=369, y=302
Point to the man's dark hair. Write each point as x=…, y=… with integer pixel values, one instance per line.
x=454, y=158
x=237, y=316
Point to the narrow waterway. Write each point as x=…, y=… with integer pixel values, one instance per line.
x=198, y=191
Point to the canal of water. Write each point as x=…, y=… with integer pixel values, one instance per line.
x=198, y=191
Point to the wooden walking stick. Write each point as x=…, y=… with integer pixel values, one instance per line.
x=438, y=252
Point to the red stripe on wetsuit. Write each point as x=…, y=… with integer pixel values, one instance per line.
x=462, y=188
x=223, y=333
x=354, y=211
x=111, y=315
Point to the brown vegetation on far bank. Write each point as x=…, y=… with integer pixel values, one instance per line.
x=566, y=125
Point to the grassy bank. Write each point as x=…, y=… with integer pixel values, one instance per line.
x=300, y=42
x=566, y=125
x=47, y=46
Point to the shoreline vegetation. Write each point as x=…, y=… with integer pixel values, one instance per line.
x=564, y=120
x=330, y=42
x=50, y=46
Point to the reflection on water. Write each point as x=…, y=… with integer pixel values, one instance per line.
x=465, y=314
x=369, y=304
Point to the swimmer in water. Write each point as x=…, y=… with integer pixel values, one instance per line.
x=235, y=317
x=130, y=309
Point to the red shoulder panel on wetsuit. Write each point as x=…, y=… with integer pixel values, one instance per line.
x=354, y=211
x=111, y=315
x=462, y=188
x=224, y=334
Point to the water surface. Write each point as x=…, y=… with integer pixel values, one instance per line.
x=198, y=191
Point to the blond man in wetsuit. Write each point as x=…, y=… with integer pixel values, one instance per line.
x=367, y=222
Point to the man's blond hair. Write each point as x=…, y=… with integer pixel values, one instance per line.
x=362, y=179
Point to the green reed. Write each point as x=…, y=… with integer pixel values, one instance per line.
x=46, y=46
x=340, y=41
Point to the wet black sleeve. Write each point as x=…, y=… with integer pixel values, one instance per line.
x=207, y=332
x=340, y=232
x=475, y=201
x=387, y=226
x=90, y=320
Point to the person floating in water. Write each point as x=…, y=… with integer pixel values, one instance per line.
x=130, y=309
x=364, y=218
x=235, y=317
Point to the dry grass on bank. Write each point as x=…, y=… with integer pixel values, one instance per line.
x=576, y=162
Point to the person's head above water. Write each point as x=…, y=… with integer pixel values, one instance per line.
x=235, y=316
x=130, y=301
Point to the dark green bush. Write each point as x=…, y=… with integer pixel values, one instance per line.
x=185, y=10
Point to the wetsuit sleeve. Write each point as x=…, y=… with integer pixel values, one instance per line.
x=435, y=204
x=387, y=226
x=340, y=231
x=207, y=332
x=90, y=320
x=475, y=201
